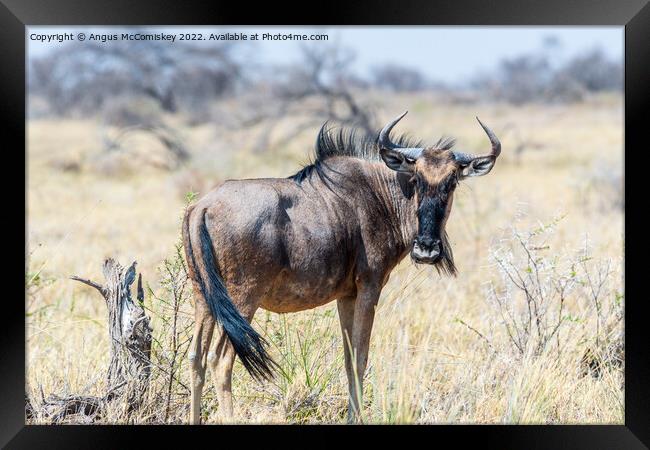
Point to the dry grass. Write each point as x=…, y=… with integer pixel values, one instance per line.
x=441, y=350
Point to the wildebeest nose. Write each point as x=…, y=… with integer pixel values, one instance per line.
x=428, y=243
x=426, y=250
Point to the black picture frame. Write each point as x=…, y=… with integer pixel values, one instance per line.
x=634, y=15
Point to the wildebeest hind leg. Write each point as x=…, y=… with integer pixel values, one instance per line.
x=203, y=327
x=221, y=360
x=222, y=357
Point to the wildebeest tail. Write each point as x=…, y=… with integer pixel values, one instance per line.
x=248, y=344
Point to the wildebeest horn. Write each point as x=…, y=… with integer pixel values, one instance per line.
x=385, y=142
x=496, y=147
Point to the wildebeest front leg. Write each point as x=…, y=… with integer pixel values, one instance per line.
x=364, y=314
x=346, y=317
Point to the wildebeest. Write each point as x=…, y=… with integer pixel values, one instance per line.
x=334, y=230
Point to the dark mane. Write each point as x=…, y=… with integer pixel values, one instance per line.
x=352, y=143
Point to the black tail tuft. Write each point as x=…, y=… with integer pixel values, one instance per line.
x=248, y=344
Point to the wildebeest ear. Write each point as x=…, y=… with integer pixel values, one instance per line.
x=397, y=161
x=478, y=166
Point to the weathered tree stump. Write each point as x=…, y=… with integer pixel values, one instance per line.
x=130, y=350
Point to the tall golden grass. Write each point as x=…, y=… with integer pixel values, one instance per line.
x=443, y=350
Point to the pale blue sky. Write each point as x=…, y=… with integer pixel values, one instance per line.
x=449, y=54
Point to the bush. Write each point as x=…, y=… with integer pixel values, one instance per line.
x=173, y=314
x=541, y=292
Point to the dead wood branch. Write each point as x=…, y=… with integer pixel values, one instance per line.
x=130, y=350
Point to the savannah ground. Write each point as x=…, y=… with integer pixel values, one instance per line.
x=471, y=349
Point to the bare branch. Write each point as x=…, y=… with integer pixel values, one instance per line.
x=478, y=333
x=90, y=283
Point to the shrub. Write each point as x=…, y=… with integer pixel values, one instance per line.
x=542, y=291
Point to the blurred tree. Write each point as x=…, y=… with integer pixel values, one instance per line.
x=398, y=78
x=536, y=76
x=594, y=71
x=324, y=73
x=83, y=76
x=523, y=78
x=320, y=86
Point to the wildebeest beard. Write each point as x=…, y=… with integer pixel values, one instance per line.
x=445, y=262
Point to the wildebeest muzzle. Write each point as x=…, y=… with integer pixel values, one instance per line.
x=426, y=250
